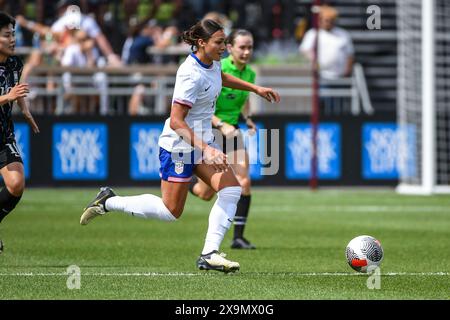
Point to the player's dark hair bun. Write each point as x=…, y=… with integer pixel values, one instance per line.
x=203, y=29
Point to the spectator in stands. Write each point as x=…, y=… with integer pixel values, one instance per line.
x=47, y=45
x=87, y=24
x=135, y=51
x=46, y=50
x=78, y=54
x=60, y=35
x=335, y=54
x=335, y=49
x=140, y=38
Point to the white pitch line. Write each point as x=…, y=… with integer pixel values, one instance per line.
x=181, y=274
x=101, y=274
x=359, y=208
x=350, y=208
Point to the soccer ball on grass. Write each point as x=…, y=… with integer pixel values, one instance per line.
x=364, y=254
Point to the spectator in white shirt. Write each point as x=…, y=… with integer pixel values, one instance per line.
x=335, y=48
x=88, y=25
x=80, y=53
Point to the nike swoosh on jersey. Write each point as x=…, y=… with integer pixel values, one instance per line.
x=207, y=88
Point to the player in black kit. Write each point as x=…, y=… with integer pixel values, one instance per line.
x=11, y=165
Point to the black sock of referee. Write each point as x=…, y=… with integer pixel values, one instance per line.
x=194, y=181
x=7, y=202
x=240, y=219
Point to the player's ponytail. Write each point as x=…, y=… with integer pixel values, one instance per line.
x=203, y=29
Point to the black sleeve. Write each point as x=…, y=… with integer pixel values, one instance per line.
x=17, y=65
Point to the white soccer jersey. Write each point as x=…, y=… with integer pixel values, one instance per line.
x=197, y=86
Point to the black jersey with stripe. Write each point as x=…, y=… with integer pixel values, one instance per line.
x=10, y=72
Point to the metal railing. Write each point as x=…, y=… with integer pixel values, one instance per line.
x=115, y=87
x=297, y=91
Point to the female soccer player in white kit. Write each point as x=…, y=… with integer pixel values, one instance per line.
x=187, y=148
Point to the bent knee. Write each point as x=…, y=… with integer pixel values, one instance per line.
x=16, y=187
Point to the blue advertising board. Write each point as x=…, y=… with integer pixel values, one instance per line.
x=144, y=151
x=383, y=156
x=80, y=151
x=298, y=148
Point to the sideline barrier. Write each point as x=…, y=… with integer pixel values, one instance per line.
x=123, y=151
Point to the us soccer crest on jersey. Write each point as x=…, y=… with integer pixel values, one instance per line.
x=179, y=166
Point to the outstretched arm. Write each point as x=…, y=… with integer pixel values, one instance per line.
x=235, y=83
x=27, y=114
x=248, y=118
x=105, y=48
x=36, y=27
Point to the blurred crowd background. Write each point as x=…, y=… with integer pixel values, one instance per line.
x=268, y=20
x=139, y=40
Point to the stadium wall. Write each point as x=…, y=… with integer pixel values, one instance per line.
x=123, y=151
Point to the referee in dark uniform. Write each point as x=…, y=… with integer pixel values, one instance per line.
x=11, y=164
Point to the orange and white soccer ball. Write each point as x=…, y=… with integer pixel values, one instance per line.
x=364, y=254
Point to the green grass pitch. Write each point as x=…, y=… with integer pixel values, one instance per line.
x=301, y=238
